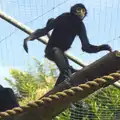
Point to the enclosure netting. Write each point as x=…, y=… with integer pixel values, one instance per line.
x=102, y=27
x=102, y=105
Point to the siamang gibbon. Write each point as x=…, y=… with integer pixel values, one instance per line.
x=8, y=99
x=65, y=28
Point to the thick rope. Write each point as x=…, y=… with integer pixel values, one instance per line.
x=90, y=87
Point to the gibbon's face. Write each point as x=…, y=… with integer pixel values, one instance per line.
x=81, y=13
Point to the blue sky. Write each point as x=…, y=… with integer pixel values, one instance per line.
x=102, y=24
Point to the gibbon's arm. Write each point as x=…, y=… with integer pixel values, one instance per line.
x=39, y=32
x=89, y=48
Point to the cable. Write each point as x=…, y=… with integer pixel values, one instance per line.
x=47, y=11
x=34, y=20
x=99, y=20
x=8, y=36
x=113, y=39
x=118, y=6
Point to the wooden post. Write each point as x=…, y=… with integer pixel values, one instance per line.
x=107, y=64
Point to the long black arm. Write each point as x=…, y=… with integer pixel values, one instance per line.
x=33, y=36
x=38, y=33
x=89, y=48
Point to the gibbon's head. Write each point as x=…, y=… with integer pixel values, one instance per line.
x=79, y=10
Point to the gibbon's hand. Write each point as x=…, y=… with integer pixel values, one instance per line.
x=107, y=47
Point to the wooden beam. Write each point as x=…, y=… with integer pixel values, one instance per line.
x=107, y=64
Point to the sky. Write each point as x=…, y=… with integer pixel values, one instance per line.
x=102, y=24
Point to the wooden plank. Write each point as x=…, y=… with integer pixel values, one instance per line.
x=107, y=64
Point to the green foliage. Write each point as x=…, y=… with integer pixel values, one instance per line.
x=105, y=103
x=33, y=84
x=25, y=83
x=63, y=116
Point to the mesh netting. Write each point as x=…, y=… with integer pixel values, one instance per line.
x=102, y=105
x=101, y=26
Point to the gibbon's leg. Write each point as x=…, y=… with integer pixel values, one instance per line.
x=57, y=55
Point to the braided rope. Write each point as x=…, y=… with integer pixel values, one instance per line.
x=73, y=92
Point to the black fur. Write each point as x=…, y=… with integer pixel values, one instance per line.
x=65, y=28
x=7, y=99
